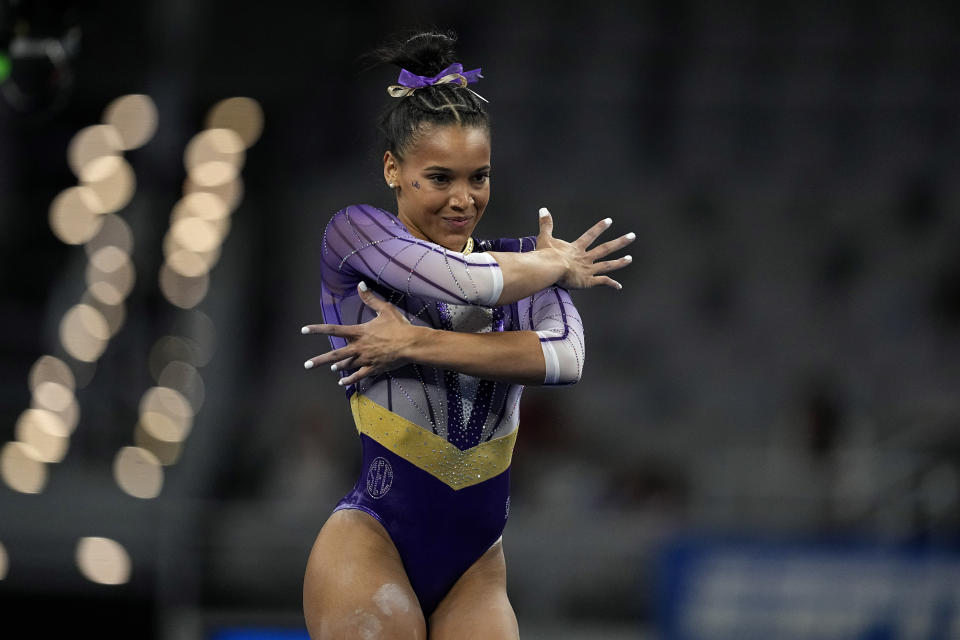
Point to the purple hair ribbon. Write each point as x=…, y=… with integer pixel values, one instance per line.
x=410, y=82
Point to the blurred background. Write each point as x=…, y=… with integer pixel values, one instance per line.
x=765, y=442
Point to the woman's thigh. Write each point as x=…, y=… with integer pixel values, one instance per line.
x=355, y=585
x=477, y=606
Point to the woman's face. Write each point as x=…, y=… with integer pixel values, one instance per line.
x=442, y=184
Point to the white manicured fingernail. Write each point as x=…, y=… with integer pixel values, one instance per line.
x=630, y=236
x=333, y=367
x=628, y=258
x=543, y=212
x=308, y=364
x=608, y=221
x=305, y=330
x=362, y=286
x=619, y=286
x=340, y=381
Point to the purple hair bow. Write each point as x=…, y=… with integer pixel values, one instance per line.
x=410, y=82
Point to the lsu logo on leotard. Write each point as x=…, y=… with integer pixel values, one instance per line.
x=379, y=478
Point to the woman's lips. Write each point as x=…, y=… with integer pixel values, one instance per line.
x=457, y=223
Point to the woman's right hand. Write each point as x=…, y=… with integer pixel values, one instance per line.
x=583, y=266
x=374, y=347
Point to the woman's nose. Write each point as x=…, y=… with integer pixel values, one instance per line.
x=461, y=200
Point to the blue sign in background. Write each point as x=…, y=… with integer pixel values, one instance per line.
x=743, y=590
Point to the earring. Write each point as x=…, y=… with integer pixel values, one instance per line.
x=391, y=185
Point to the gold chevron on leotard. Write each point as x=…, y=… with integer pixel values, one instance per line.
x=428, y=451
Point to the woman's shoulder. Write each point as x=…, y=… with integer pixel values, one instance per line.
x=367, y=215
x=360, y=225
x=363, y=212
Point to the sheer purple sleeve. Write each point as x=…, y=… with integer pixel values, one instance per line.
x=363, y=242
x=554, y=318
x=552, y=315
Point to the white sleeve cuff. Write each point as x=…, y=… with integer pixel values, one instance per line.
x=550, y=358
x=496, y=276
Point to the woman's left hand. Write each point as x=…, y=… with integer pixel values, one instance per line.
x=374, y=347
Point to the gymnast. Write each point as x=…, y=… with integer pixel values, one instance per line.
x=433, y=335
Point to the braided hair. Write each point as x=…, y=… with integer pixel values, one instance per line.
x=405, y=119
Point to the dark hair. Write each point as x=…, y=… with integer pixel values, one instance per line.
x=424, y=53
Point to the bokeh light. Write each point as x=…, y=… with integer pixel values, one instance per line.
x=22, y=468
x=58, y=399
x=114, y=314
x=185, y=262
x=91, y=143
x=171, y=244
x=112, y=179
x=231, y=192
x=75, y=215
x=84, y=332
x=213, y=173
x=162, y=427
x=45, y=432
x=114, y=231
x=199, y=223
x=169, y=349
x=52, y=396
x=208, y=207
x=195, y=234
x=182, y=291
x=138, y=472
x=134, y=117
x=50, y=369
x=103, y=560
x=167, y=452
x=214, y=156
x=187, y=380
x=110, y=275
x=240, y=114
x=166, y=414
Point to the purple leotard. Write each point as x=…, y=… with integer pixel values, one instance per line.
x=437, y=444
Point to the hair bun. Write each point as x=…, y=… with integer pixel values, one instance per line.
x=404, y=120
x=424, y=53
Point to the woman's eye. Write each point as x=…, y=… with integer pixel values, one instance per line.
x=482, y=177
x=439, y=178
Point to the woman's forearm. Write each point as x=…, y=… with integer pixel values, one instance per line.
x=510, y=356
x=524, y=274
x=567, y=264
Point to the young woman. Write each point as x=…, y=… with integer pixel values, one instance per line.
x=434, y=335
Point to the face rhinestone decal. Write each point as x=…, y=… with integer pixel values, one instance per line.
x=416, y=185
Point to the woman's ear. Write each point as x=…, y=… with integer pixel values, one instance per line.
x=391, y=170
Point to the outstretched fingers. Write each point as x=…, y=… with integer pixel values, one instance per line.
x=546, y=221
x=338, y=358
x=341, y=357
x=609, y=247
x=591, y=234
x=346, y=363
x=605, y=281
x=339, y=330
x=356, y=376
x=545, y=236
x=612, y=265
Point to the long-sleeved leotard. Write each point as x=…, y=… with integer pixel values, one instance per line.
x=437, y=444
